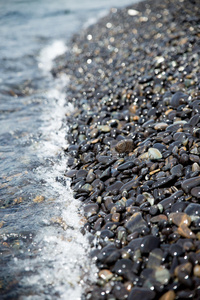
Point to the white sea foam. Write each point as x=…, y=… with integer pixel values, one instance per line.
x=62, y=253
x=49, y=53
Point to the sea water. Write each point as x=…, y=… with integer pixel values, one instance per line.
x=43, y=255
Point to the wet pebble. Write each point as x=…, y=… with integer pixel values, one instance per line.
x=149, y=243
x=138, y=293
x=196, y=192
x=188, y=184
x=135, y=223
x=124, y=146
x=91, y=209
x=154, y=154
x=180, y=218
x=170, y=295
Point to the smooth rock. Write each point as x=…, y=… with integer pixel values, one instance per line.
x=184, y=231
x=162, y=275
x=180, y=218
x=193, y=210
x=105, y=274
x=149, y=243
x=196, y=192
x=138, y=293
x=188, y=184
x=196, y=270
x=91, y=209
x=135, y=223
x=154, y=154
x=124, y=146
x=170, y=295
x=155, y=258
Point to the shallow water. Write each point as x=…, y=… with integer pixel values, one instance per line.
x=42, y=253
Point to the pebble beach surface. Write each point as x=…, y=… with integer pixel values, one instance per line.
x=134, y=145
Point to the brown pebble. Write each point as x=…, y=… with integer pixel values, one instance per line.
x=38, y=199
x=158, y=218
x=105, y=274
x=184, y=231
x=155, y=171
x=180, y=218
x=196, y=271
x=170, y=295
x=124, y=146
x=115, y=217
x=133, y=108
x=186, y=268
x=160, y=126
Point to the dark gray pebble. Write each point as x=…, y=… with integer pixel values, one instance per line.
x=141, y=293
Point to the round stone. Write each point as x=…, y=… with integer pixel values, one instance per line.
x=154, y=154
x=196, y=192
x=196, y=270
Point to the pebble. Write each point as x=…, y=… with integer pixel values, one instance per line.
x=105, y=274
x=188, y=184
x=180, y=218
x=196, y=192
x=170, y=295
x=91, y=209
x=184, y=231
x=196, y=270
x=154, y=154
x=149, y=243
x=160, y=126
x=134, y=147
x=141, y=293
x=193, y=210
x=135, y=223
x=162, y=275
x=124, y=146
x=155, y=258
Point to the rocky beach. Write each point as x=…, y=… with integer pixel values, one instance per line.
x=134, y=146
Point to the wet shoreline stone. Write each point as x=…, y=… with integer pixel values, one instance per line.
x=134, y=148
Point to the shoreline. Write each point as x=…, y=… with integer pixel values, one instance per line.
x=134, y=145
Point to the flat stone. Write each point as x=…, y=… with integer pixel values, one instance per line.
x=124, y=146
x=177, y=170
x=115, y=186
x=184, y=231
x=186, y=268
x=196, y=192
x=193, y=210
x=132, y=184
x=180, y=218
x=155, y=258
x=149, y=243
x=122, y=266
x=154, y=154
x=162, y=275
x=158, y=218
x=125, y=166
x=104, y=128
x=176, y=250
x=138, y=293
x=160, y=126
x=115, y=217
x=71, y=173
x=135, y=223
x=91, y=209
x=188, y=184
